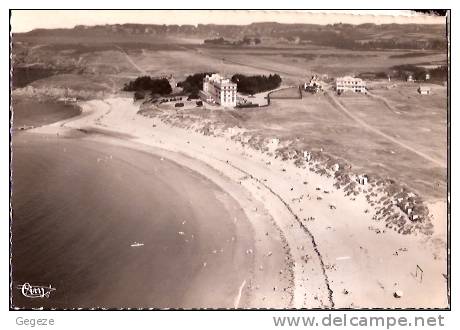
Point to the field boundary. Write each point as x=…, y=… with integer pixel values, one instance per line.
x=285, y=97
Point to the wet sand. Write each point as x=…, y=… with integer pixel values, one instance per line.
x=78, y=205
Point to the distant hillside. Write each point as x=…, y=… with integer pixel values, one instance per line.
x=347, y=36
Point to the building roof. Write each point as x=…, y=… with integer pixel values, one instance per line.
x=349, y=78
x=218, y=79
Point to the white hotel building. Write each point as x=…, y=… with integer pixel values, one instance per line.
x=348, y=83
x=217, y=89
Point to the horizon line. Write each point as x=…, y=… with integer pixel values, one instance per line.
x=23, y=21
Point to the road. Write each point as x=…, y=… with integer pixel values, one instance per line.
x=385, y=101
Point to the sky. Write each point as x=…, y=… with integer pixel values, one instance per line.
x=26, y=20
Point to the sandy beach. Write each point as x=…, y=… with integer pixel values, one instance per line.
x=314, y=247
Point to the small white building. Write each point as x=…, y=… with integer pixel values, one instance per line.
x=424, y=90
x=219, y=90
x=68, y=99
x=348, y=83
x=414, y=217
x=307, y=156
x=275, y=142
x=362, y=179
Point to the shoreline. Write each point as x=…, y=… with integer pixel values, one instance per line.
x=338, y=260
x=185, y=223
x=61, y=111
x=268, y=254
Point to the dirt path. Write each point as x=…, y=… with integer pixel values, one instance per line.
x=130, y=60
x=365, y=125
x=385, y=102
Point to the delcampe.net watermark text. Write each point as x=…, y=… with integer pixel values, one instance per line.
x=344, y=320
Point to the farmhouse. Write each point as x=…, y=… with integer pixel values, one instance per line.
x=314, y=85
x=424, y=90
x=348, y=83
x=219, y=90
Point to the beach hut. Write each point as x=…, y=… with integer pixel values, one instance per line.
x=415, y=217
x=362, y=179
x=424, y=90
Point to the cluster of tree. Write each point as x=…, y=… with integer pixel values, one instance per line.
x=146, y=83
x=419, y=73
x=248, y=41
x=432, y=44
x=440, y=73
x=256, y=84
x=139, y=95
x=193, y=84
x=356, y=39
x=241, y=42
x=403, y=71
x=217, y=41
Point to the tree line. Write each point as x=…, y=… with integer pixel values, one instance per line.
x=402, y=72
x=159, y=86
x=193, y=83
x=256, y=84
x=241, y=42
x=419, y=73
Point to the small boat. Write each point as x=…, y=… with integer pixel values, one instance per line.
x=136, y=244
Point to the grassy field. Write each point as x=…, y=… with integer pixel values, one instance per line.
x=302, y=63
x=313, y=122
x=163, y=56
x=286, y=93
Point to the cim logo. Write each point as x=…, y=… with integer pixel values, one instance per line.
x=35, y=291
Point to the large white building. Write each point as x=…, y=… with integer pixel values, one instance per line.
x=348, y=83
x=217, y=89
